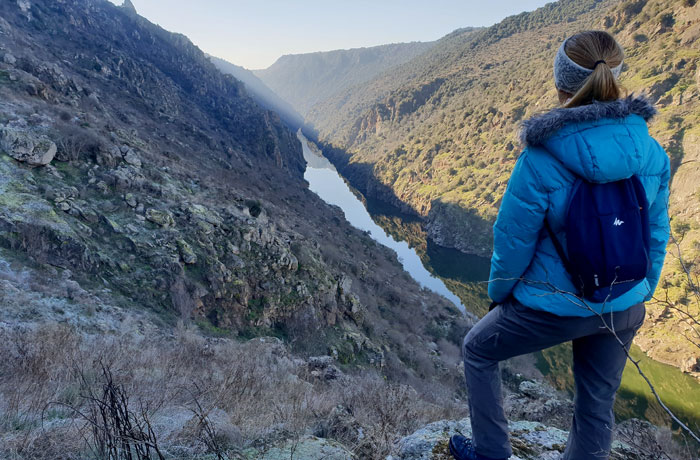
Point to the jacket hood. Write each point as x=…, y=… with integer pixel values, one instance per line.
x=601, y=141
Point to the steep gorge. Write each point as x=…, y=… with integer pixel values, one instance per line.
x=140, y=185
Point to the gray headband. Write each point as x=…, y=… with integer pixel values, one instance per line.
x=569, y=76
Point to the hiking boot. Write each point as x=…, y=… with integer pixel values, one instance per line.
x=462, y=448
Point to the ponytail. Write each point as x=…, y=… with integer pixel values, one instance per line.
x=596, y=50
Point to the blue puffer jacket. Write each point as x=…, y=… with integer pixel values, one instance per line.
x=601, y=142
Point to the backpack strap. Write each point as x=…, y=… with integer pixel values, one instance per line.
x=559, y=248
x=557, y=245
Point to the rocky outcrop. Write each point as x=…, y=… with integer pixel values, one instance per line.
x=27, y=146
x=129, y=7
x=392, y=110
x=537, y=402
x=530, y=441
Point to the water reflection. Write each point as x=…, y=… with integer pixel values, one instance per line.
x=325, y=181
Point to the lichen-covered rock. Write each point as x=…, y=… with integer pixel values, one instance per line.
x=186, y=253
x=158, y=217
x=430, y=442
x=539, y=402
x=111, y=225
x=130, y=200
x=27, y=146
x=197, y=212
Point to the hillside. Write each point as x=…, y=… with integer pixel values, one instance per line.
x=305, y=79
x=260, y=93
x=154, y=223
x=437, y=136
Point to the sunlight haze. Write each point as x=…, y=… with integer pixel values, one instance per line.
x=254, y=34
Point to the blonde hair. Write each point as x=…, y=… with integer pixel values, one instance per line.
x=587, y=49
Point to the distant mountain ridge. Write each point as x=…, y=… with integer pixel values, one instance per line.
x=306, y=79
x=260, y=92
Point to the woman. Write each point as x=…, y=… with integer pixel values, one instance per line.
x=600, y=137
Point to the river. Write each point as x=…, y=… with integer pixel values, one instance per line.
x=460, y=278
x=325, y=182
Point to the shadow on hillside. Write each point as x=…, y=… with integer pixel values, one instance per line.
x=453, y=226
x=360, y=176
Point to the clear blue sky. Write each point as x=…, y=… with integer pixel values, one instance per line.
x=254, y=33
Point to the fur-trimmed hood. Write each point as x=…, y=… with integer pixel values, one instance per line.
x=539, y=128
x=601, y=142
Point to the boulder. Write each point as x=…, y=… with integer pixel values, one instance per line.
x=24, y=5
x=108, y=156
x=322, y=367
x=132, y=158
x=27, y=146
x=690, y=364
x=162, y=218
x=539, y=402
x=130, y=200
x=9, y=59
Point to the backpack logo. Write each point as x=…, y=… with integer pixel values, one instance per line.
x=618, y=222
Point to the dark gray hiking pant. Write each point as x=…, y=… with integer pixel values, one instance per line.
x=512, y=329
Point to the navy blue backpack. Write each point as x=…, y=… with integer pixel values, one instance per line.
x=607, y=238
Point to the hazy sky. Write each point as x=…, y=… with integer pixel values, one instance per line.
x=255, y=33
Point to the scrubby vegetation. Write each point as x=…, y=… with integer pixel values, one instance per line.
x=195, y=396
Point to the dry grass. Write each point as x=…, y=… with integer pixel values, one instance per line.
x=201, y=395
